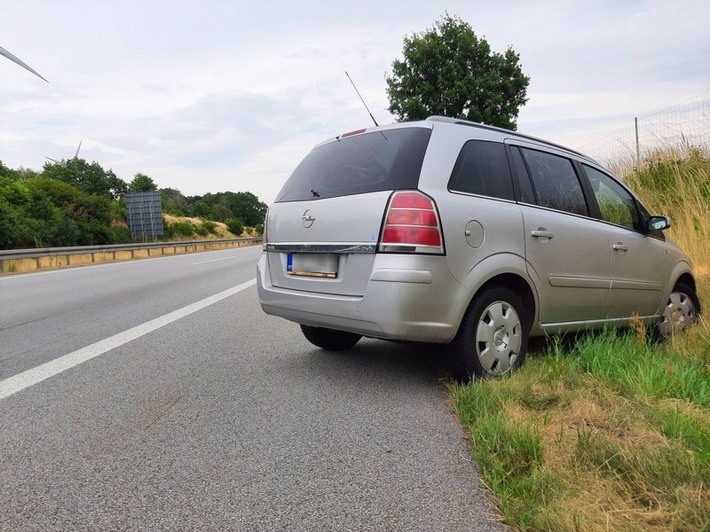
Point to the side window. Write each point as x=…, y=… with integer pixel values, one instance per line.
x=617, y=206
x=556, y=182
x=527, y=195
x=482, y=168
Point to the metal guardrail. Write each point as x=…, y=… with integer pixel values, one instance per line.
x=10, y=254
x=31, y=260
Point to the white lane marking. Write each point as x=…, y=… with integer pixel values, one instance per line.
x=213, y=260
x=33, y=376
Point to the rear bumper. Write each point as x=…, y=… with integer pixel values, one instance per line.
x=422, y=304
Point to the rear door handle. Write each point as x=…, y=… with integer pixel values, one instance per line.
x=541, y=233
x=620, y=247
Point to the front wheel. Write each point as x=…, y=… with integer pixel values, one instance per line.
x=493, y=337
x=330, y=339
x=681, y=311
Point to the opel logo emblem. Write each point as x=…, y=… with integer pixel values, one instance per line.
x=308, y=218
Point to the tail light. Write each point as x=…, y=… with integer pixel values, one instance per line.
x=411, y=225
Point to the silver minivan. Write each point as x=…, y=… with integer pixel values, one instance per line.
x=450, y=232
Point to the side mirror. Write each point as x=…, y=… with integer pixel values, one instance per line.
x=658, y=223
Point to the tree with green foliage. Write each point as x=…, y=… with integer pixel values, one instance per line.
x=6, y=171
x=8, y=223
x=44, y=212
x=142, y=183
x=221, y=206
x=89, y=178
x=87, y=217
x=27, y=217
x=17, y=174
x=449, y=71
x=173, y=202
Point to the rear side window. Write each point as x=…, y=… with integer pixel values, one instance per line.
x=482, y=168
x=556, y=182
x=369, y=162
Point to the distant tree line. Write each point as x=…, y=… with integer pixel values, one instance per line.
x=74, y=203
x=219, y=207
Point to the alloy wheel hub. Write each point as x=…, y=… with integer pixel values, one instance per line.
x=500, y=339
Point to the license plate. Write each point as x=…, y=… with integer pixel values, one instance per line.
x=312, y=265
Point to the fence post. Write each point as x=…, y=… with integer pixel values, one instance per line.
x=638, y=151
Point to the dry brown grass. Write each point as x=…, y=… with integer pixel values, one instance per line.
x=221, y=230
x=594, y=499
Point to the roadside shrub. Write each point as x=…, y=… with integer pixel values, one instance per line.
x=66, y=233
x=168, y=232
x=182, y=229
x=235, y=226
x=210, y=226
x=119, y=235
x=8, y=225
x=259, y=229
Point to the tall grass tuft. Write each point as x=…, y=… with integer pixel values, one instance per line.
x=676, y=182
x=644, y=370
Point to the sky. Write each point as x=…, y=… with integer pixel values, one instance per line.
x=227, y=95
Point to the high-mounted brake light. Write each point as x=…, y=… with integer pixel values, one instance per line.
x=351, y=133
x=411, y=225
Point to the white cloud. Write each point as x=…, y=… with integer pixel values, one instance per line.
x=212, y=95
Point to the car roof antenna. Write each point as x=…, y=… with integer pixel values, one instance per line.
x=363, y=101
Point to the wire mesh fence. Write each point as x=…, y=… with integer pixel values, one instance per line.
x=682, y=126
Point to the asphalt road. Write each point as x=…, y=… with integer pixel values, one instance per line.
x=167, y=410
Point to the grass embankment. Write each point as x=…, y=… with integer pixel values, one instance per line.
x=609, y=432
x=184, y=227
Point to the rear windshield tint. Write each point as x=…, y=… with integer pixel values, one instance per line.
x=370, y=162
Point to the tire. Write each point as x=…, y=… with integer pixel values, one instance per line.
x=330, y=339
x=681, y=311
x=492, y=339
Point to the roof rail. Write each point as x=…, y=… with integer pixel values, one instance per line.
x=469, y=123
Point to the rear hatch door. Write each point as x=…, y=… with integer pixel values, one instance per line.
x=325, y=246
x=323, y=229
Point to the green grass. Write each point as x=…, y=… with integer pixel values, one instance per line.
x=609, y=421
x=642, y=370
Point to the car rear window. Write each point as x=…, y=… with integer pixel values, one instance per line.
x=369, y=162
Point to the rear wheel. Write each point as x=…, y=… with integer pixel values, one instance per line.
x=681, y=311
x=330, y=339
x=493, y=337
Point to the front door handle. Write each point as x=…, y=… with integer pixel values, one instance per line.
x=541, y=233
x=620, y=247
